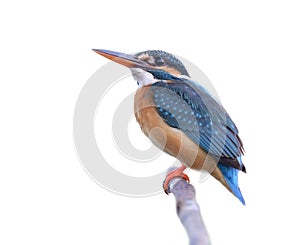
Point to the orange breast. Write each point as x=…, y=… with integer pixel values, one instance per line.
x=169, y=139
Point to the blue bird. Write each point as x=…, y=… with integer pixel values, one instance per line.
x=182, y=118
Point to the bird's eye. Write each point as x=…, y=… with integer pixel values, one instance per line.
x=159, y=61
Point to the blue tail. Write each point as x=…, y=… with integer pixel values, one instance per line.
x=231, y=177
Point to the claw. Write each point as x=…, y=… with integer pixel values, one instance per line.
x=178, y=172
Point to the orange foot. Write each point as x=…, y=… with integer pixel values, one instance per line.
x=178, y=172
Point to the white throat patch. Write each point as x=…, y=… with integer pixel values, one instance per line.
x=142, y=77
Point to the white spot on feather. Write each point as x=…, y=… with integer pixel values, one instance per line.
x=142, y=77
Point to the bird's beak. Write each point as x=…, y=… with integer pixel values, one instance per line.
x=127, y=60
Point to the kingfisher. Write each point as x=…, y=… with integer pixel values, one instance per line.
x=182, y=118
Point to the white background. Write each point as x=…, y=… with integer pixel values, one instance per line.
x=249, y=50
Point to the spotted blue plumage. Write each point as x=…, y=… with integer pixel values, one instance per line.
x=170, y=60
x=186, y=105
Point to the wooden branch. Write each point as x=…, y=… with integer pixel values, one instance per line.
x=188, y=211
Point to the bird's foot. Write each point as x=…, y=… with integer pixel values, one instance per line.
x=178, y=172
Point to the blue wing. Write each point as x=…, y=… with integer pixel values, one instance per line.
x=186, y=105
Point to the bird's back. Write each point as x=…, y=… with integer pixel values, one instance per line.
x=199, y=132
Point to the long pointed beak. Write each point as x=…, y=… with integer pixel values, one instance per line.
x=127, y=60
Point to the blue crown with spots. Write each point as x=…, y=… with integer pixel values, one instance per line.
x=170, y=60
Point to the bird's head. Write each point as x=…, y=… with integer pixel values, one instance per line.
x=150, y=66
